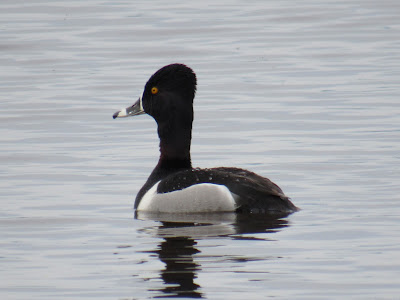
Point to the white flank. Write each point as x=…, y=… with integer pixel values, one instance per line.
x=199, y=198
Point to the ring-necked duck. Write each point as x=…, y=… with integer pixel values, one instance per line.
x=175, y=186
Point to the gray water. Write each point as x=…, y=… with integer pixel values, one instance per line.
x=305, y=93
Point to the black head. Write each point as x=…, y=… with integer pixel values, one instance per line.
x=169, y=92
x=168, y=98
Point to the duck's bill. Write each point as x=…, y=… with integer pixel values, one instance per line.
x=134, y=110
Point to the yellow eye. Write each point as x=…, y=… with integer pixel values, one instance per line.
x=154, y=90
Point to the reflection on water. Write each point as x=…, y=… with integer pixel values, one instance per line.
x=180, y=269
x=180, y=233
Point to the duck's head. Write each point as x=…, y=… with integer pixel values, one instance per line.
x=168, y=94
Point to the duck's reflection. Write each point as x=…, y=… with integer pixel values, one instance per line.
x=180, y=269
x=180, y=232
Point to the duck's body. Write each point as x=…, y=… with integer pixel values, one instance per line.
x=174, y=186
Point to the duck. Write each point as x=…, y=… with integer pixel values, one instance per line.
x=175, y=186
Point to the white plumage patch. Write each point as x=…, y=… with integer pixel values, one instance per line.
x=199, y=198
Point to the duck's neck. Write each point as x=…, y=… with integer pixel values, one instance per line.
x=175, y=138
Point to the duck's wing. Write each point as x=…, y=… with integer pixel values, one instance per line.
x=256, y=194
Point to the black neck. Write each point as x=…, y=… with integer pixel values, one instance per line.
x=174, y=153
x=175, y=138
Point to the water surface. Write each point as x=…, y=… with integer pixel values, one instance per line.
x=306, y=94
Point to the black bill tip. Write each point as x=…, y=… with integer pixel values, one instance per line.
x=115, y=115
